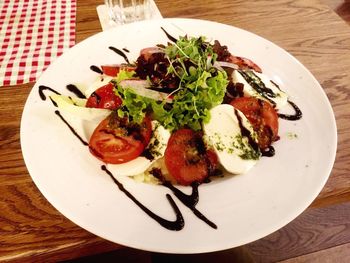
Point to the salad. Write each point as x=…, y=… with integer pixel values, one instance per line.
x=182, y=112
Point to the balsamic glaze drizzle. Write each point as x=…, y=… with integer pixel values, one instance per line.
x=259, y=86
x=176, y=225
x=74, y=89
x=41, y=91
x=246, y=133
x=96, y=69
x=126, y=50
x=53, y=102
x=170, y=37
x=188, y=200
x=292, y=117
x=121, y=53
x=43, y=97
x=71, y=128
x=269, y=152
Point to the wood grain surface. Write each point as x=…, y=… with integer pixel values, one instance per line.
x=334, y=254
x=31, y=230
x=315, y=230
x=318, y=235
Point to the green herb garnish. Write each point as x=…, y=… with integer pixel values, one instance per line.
x=201, y=87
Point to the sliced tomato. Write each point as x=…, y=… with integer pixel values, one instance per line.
x=104, y=98
x=213, y=161
x=187, y=159
x=113, y=70
x=145, y=128
x=262, y=116
x=117, y=140
x=244, y=63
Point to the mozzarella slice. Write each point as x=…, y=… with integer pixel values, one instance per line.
x=155, y=148
x=280, y=98
x=224, y=134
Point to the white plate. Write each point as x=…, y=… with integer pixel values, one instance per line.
x=244, y=208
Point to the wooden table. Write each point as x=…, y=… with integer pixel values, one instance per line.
x=32, y=230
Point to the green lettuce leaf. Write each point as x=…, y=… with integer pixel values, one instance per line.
x=202, y=86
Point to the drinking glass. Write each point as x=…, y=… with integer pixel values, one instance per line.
x=126, y=11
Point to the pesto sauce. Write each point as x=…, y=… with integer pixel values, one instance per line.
x=235, y=144
x=153, y=148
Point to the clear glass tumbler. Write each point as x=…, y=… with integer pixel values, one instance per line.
x=126, y=11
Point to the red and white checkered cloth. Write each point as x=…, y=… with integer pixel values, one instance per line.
x=33, y=33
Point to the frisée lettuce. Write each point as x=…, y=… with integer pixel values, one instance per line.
x=201, y=87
